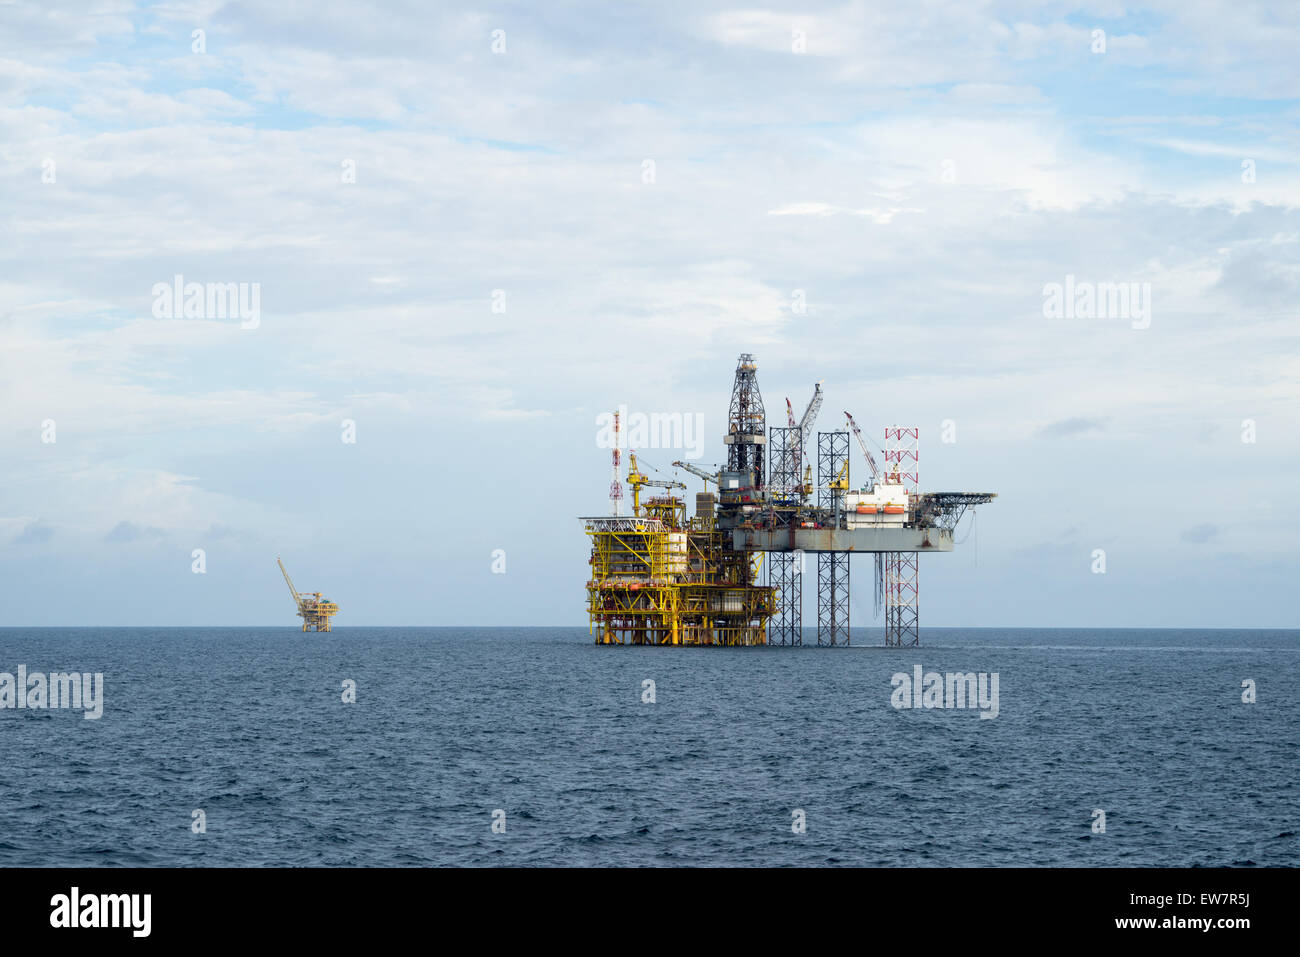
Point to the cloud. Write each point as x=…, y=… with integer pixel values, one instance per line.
x=1067, y=427
x=219, y=532
x=1200, y=534
x=35, y=533
x=1233, y=152
x=1049, y=554
x=131, y=532
x=996, y=93
x=881, y=217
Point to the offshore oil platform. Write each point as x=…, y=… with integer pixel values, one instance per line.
x=314, y=609
x=661, y=578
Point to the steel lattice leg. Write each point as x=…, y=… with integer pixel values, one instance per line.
x=832, y=598
x=785, y=575
x=902, y=618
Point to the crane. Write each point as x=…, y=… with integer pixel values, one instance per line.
x=795, y=450
x=803, y=433
x=840, y=483
x=288, y=581
x=314, y=609
x=810, y=415
x=638, y=480
x=699, y=472
x=838, y=486
x=875, y=472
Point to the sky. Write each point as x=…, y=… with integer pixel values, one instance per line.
x=472, y=230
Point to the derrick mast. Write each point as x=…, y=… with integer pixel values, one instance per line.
x=746, y=437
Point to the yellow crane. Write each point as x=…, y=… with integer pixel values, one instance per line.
x=314, y=609
x=638, y=480
x=840, y=483
x=838, y=486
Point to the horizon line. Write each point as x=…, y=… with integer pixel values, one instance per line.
x=806, y=629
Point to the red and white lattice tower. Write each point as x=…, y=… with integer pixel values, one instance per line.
x=615, y=485
x=902, y=456
x=902, y=610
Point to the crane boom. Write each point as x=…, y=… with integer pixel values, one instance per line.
x=638, y=480
x=796, y=444
x=700, y=473
x=810, y=415
x=875, y=472
x=842, y=479
x=636, y=477
x=292, y=591
x=801, y=432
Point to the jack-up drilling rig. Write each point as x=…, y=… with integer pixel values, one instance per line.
x=314, y=609
x=660, y=578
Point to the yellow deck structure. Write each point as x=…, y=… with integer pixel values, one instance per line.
x=314, y=609
x=659, y=579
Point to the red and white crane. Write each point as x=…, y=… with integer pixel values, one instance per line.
x=875, y=472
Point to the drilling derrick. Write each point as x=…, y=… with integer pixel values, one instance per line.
x=659, y=577
x=747, y=425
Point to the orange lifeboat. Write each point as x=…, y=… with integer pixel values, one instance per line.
x=895, y=509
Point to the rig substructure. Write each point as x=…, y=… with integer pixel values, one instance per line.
x=659, y=578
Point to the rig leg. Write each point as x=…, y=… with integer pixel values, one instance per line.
x=832, y=598
x=902, y=612
x=785, y=574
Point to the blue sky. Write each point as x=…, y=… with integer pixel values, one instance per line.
x=919, y=171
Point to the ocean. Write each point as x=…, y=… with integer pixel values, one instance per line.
x=747, y=756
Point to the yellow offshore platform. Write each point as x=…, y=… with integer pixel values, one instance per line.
x=314, y=609
x=658, y=578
